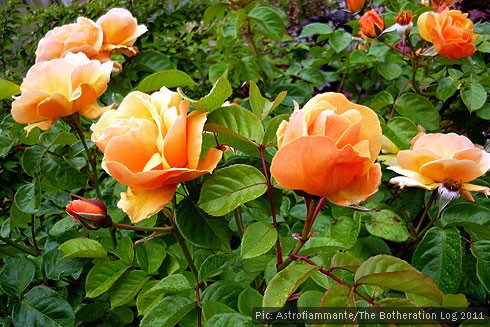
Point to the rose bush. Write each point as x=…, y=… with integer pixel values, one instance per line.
x=59, y=88
x=151, y=144
x=328, y=149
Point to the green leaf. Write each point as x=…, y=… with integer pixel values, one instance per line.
x=54, y=266
x=271, y=21
x=474, y=95
x=213, y=265
x=345, y=261
x=145, y=300
x=103, y=275
x=400, y=131
x=270, y=135
x=42, y=306
x=169, y=78
x=127, y=287
x=285, y=282
x=230, y=319
x=211, y=308
x=248, y=299
x=16, y=275
x=28, y=197
x=316, y=28
x=439, y=256
x=262, y=107
x=473, y=218
x=230, y=187
x=389, y=71
x=338, y=296
x=446, y=87
x=150, y=255
x=310, y=299
x=8, y=89
x=171, y=284
x=481, y=251
x=31, y=159
x=6, y=143
x=483, y=113
x=168, y=312
x=83, y=248
x=151, y=61
x=381, y=100
x=59, y=138
x=224, y=291
x=418, y=109
x=124, y=250
x=393, y=273
x=339, y=40
x=213, y=12
x=220, y=92
x=386, y=224
x=258, y=238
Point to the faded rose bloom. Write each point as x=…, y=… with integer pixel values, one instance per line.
x=371, y=24
x=121, y=30
x=447, y=160
x=151, y=144
x=450, y=31
x=59, y=88
x=328, y=149
x=83, y=36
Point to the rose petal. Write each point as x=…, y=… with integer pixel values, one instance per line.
x=449, y=169
x=141, y=204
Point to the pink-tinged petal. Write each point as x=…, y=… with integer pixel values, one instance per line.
x=195, y=126
x=360, y=189
x=412, y=175
x=403, y=182
x=314, y=164
x=449, y=169
x=442, y=144
x=414, y=159
x=24, y=107
x=473, y=154
x=140, y=204
x=476, y=188
x=55, y=106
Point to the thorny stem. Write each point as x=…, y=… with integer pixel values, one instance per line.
x=18, y=246
x=271, y=201
x=331, y=275
x=33, y=234
x=426, y=210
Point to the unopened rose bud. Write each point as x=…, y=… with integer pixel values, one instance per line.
x=371, y=24
x=92, y=214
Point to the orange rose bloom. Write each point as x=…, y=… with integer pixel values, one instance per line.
x=450, y=31
x=59, y=88
x=328, y=149
x=442, y=159
x=120, y=31
x=83, y=36
x=151, y=144
x=371, y=23
x=355, y=5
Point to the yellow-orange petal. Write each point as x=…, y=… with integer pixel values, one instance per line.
x=295, y=128
x=442, y=144
x=314, y=164
x=412, y=175
x=24, y=107
x=413, y=160
x=476, y=188
x=444, y=169
x=55, y=106
x=175, y=144
x=94, y=110
x=140, y=204
x=142, y=180
x=422, y=23
x=403, y=181
x=195, y=126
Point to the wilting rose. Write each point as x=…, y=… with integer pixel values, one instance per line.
x=90, y=213
x=121, y=30
x=83, y=36
x=450, y=31
x=355, y=5
x=151, y=144
x=59, y=88
x=438, y=159
x=371, y=23
x=328, y=149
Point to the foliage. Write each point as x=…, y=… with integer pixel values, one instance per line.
x=234, y=240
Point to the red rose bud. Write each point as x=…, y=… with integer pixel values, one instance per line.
x=355, y=5
x=371, y=24
x=92, y=214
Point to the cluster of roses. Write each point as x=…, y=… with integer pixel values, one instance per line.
x=450, y=31
x=151, y=143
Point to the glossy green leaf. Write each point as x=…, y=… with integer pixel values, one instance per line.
x=168, y=312
x=258, y=238
x=285, y=282
x=229, y=319
x=83, y=248
x=310, y=299
x=439, y=256
x=483, y=113
x=146, y=300
x=171, y=284
x=262, y=107
x=400, y=131
x=220, y=92
x=31, y=159
x=215, y=11
x=446, y=87
x=474, y=218
x=150, y=255
x=248, y=299
x=224, y=291
x=16, y=275
x=124, y=250
x=151, y=61
x=339, y=40
x=6, y=144
x=418, y=109
x=169, y=78
x=54, y=266
x=8, y=89
x=271, y=20
x=201, y=229
x=381, y=100
x=389, y=71
x=103, y=275
x=28, y=197
x=393, y=273
x=386, y=224
x=481, y=251
x=345, y=260
x=339, y=296
x=57, y=138
x=474, y=95
x=270, y=135
x=211, y=308
x=230, y=187
x=126, y=288
x=316, y=28
x=213, y=265
x=42, y=306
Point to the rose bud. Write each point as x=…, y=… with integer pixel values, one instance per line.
x=92, y=214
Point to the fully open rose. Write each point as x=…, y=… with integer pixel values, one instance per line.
x=151, y=144
x=59, y=88
x=438, y=159
x=328, y=149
